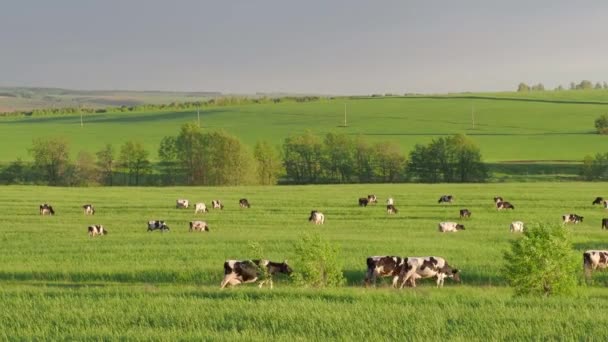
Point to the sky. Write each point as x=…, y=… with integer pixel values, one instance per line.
x=312, y=46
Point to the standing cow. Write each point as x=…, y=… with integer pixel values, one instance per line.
x=372, y=199
x=427, y=267
x=199, y=226
x=46, y=209
x=363, y=202
x=516, y=227
x=465, y=213
x=97, y=229
x=390, y=201
x=390, y=209
x=571, y=218
x=248, y=271
x=316, y=217
x=383, y=266
x=182, y=204
x=200, y=208
x=605, y=223
x=157, y=225
x=450, y=227
x=216, y=204
x=598, y=200
x=244, y=203
x=594, y=259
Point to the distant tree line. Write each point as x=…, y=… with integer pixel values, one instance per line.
x=582, y=85
x=197, y=157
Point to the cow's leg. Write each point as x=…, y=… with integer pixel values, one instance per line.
x=395, y=281
x=409, y=274
x=228, y=279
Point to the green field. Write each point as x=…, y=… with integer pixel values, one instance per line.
x=505, y=130
x=57, y=283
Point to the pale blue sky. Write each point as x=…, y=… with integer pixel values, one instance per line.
x=314, y=46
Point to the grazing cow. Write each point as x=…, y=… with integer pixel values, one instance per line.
x=316, y=217
x=216, y=204
x=248, y=271
x=160, y=225
x=605, y=204
x=572, y=218
x=594, y=259
x=390, y=201
x=182, y=204
x=383, y=266
x=244, y=203
x=199, y=226
x=427, y=267
x=372, y=199
x=97, y=229
x=88, y=209
x=605, y=223
x=446, y=199
x=363, y=202
x=200, y=208
x=390, y=209
x=598, y=200
x=504, y=205
x=450, y=227
x=465, y=213
x=516, y=227
x=46, y=209
x=498, y=200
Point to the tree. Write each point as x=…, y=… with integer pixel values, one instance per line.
x=601, y=124
x=541, y=262
x=338, y=157
x=134, y=158
x=86, y=174
x=572, y=86
x=598, y=85
x=226, y=160
x=167, y=155
x=364, y=169
x=559, y=88
x=190, y=150
x=51, y=158
x=268, y=163
x=14, y=173
x=605, y=85
x=389, y=161
x=302, y=158
x=595, y=168
x=538, y=87
x=105, y=164
x=584, y=85
x=523, y=87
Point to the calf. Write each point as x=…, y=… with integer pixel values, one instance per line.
x=598, y=200
x=216, y=204
x=504, y=205
x=160, y=225
x=244, y=203
x=182, y=204
x=316, y=217
x=363, y=202
x=199, y=226
x=372, y=199
x=450, y=227
x=465, y=213
x=88, y=209
x=248, y=271
x=390, y=209
x=605, y=223
x=594, y=259
x=571, y=218
x=516, y=227
x=427, y=267
x=446, y=199
x=390, y=201
x=46, y=209
x=200, y=208
x=383, y=266
x=97, y=229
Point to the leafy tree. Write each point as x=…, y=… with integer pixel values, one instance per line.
x=389, y=161
x=541, y=262
x=605, y=85
x=86, y=173
x=538, y=87
x=601, y=124
x=190, y=151
x=106, y=164
x=302, y=158
x=559, y=88
x=51, y=158
x=598, y=85
x=14, y=173
x=339, y=155
x=572, y=86
x=523, y=87
x=168, y=162
x=584, y=85
x=268, y=163
x=227, y=160
x=134, y=158
x=364, y=156
x=595, y=168
x=318, y=262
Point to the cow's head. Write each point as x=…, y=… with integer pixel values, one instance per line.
x=459, y=227
x=580, y=219
x=104, y=232
x=284, y=268
x=164, y=227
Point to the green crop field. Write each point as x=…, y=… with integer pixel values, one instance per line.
x=58, y=283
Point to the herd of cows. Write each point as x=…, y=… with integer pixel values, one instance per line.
x=404, y=271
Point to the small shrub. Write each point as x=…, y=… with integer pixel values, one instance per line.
x=318, y=265
x=601, y=124
x=542, y=262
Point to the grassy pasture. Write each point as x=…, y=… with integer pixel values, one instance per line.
x=57, y=283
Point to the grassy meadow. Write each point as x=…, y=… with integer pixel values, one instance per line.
x=57, y=283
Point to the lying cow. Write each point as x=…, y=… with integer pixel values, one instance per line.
x=516, y=227
x=390, y=201
x=200, y=208
x=199, y=226
x=182, y=204
x=97, y=229
x=445, y=227
x=594, y=259
x=88, y=209
x=605, y=223
x=383, y=266
x=46, y=209
x=598, y=200
x=244, y=203
x=427, y=267
x=571, y=218
x=248, y=271
x=372, y=199
x=160, y=225
x=363, y=202
x=498, y=200
x=390, y=209
x=446, y=199
x=504, y=205
x=465, y=213
x=216, y=204
x=316, y=217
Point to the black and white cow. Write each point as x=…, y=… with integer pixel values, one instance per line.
x=427, y=267
x=390, y=201
x=244, y=203
x=200, y=208
x=390, y=209
x=450, y=227
x=88, y=209
x=571, y=218
x=446, y=199
x=199, y=226
x=248, y=271
x=516, y=227
x=504, y=205
x=316, y=217
x=372, y=199
x=97, y=229
x=46, y=209
x=383, y=266
x=465, y=213
x=605, y=223
x=497, y=200
x=363, y=202
x=182, y=204
x=594, y=259
x=598, y=200
x=160, y=225
x=216, y=204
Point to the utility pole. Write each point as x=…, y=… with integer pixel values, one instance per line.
x=473, y=114
x=81, y=121
x=198, y=116
x=345, y=115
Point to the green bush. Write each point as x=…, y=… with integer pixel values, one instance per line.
x=318, y=263
x=542, y=262
x=601, y=124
